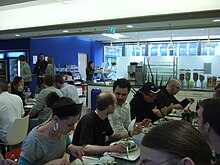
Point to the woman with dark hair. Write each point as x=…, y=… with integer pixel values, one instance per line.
x=174, y=142
x=90, y=71
x=17, y=87
x=47, y=143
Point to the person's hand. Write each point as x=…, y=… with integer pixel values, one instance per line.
x=76, y=151
x=146, y=122
x=8, y=162
x=62, y=161
x=119, y=147
x=137, y=129
x=164, y=111
x=191, y=100
x=157, y=112
x=20, y=88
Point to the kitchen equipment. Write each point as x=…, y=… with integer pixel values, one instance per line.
x=195, y=78
x=187, y=78
x=201, y=78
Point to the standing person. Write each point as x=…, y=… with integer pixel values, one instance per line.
x=40, y=107
x=11, y=108
x=166, y=100
x=93, y=128
x=121, y=117
x=208, y=123
x=51, y=68
x=143, y=105
x=90, y=71
x=47, y=143
x=25, y=72
x=40, y=69
x=172, y=143
x=67, y=90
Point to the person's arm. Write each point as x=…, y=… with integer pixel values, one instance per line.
x=23, y=161
x=95, y=149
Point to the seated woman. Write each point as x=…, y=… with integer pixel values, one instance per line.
x=47, y=143
x=172, y=143
x=17, y=87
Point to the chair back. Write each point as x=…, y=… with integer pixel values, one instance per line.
x=18, y=131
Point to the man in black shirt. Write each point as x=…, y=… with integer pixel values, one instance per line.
x=166, y=101
x=142, y=104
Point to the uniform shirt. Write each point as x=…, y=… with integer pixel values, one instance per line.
x=70, y=91
x=121, y=117
x=11, y=108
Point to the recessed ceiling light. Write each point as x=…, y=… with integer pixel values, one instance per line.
x=17, y=35
x=129, y=26
x=202, y=29
x=216, y=20
x=65, y=31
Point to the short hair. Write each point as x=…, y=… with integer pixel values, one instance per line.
x=63, y=107
x=211, y=113
x=217, y=92
x=104, y=99
x=3, y=84
x=49, y=80
x=89, y=63
x=122, y=83
x=22, y=58
x=58, y=78
x=179, y=139
x=172, y=82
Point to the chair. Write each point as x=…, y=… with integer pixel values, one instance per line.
x=17, y=132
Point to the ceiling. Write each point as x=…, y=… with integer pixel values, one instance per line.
x=194, y=25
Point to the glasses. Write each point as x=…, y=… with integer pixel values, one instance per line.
x=149, y=162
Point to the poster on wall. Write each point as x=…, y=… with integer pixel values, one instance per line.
x=34, y=59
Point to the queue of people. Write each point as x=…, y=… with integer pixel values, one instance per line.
x=57, y=110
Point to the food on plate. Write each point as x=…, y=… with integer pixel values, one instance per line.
x=107, y=160
x=131, y=144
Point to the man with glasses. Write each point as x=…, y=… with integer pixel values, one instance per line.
x=143, y=105
x=166, y=101
x=208, y=124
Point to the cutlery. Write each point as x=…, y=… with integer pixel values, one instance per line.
x=127, y=149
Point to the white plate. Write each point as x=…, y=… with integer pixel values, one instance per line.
x=131, y=125
x=130, y=141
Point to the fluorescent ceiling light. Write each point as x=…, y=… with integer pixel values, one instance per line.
x=65, y=31
x=129, y=26
x=216, y=20
x=115, y=36
x=17, y=35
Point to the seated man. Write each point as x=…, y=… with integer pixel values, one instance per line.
x=67, y=90
x=40, y=108
x=142, y=104
x=93, y=128
x=166, y=101
x=208, y=124
x=121, y=117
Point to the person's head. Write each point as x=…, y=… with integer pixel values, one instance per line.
x=209, y=117
x=106, y=101
x=173, y=87
x=121, y=89
x=22, y=58
x=41, y=57
x=50, y=60
x=3, y=85
x=58, y=81
x=91, y=64
x=216, y=93
x=18, y=81
x=172, y=143
x=149, y=92
x=65, y=112
x=9, y=87
x=49, y=80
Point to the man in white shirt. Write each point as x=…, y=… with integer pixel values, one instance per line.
x=68, y=90
x=11, y=108
x=121, y=117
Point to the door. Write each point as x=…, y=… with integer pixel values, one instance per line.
x=82, y=64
